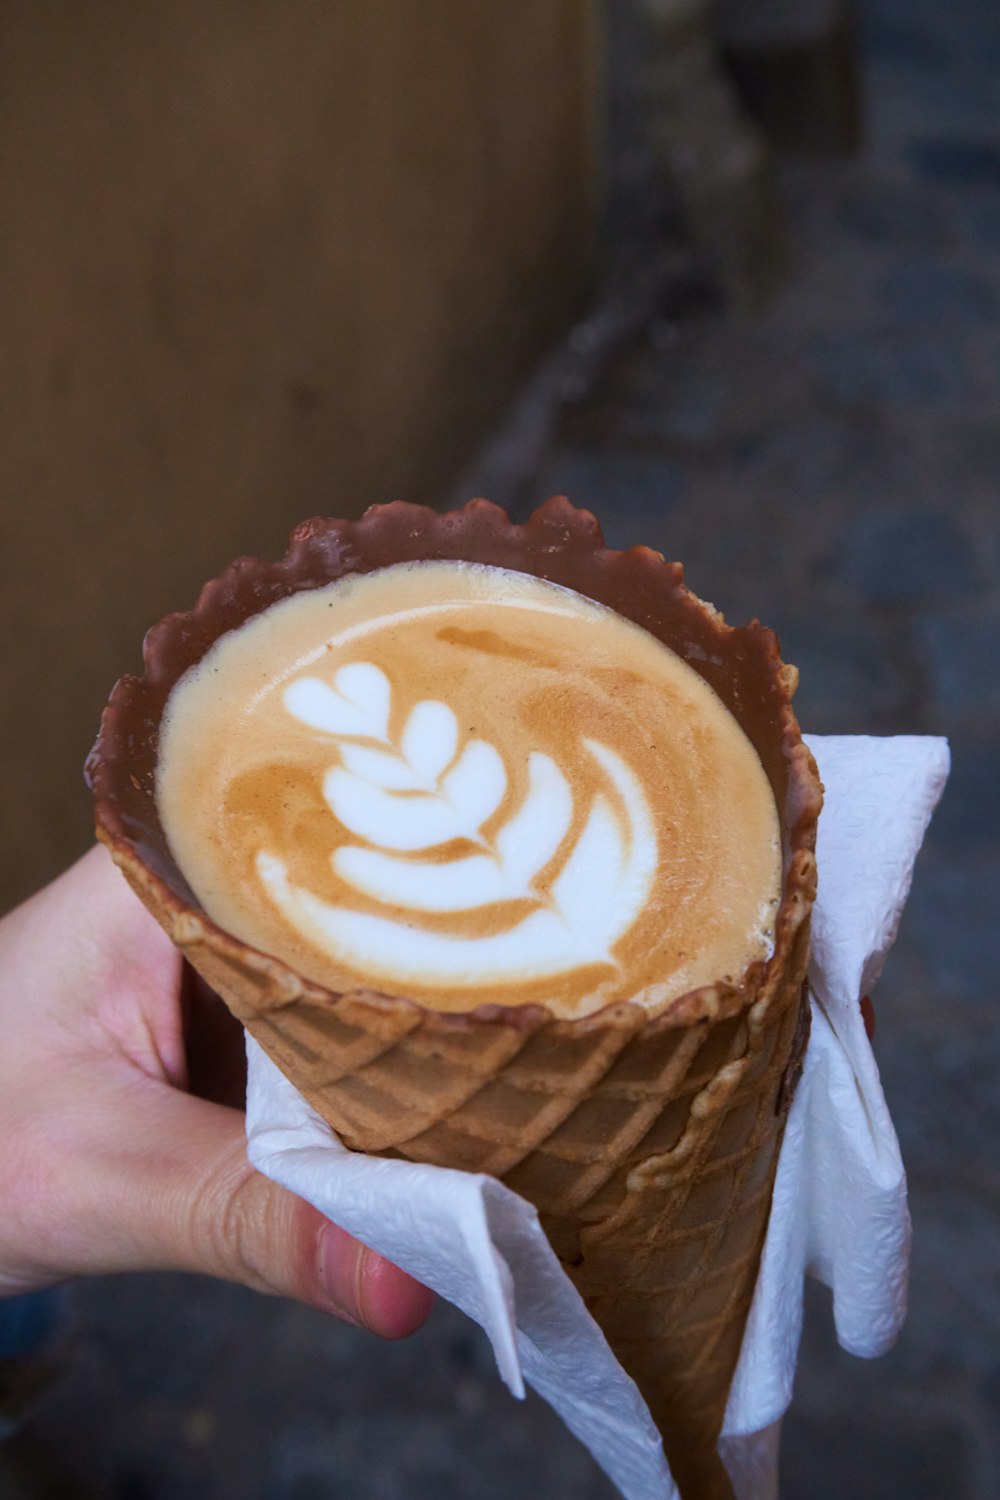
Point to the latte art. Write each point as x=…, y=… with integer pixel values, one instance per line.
x=428, y=793
x=463, y=784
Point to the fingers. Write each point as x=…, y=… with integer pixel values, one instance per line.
x=383, y=1298
x=198, y=1205
x=104, y=1166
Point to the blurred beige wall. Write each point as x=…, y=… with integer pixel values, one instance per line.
x=259, y=259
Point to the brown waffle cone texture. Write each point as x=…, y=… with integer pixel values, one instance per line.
x=648, y=1142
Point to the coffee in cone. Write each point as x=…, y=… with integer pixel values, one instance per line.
x=493, y=969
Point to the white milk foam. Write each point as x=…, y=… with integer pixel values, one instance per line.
x=429, y=791
x=456, y=861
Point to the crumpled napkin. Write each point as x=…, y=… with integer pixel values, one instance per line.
x=839, y=1209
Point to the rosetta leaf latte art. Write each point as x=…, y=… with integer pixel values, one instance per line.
x=358, y=702
x=424, y=792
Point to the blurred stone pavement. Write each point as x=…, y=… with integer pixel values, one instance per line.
x=834, y=465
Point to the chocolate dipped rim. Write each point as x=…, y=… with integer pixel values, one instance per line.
x=559, y=543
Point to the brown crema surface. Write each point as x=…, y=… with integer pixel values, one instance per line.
x=662, y=867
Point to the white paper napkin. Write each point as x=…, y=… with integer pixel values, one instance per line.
x=839, y=1208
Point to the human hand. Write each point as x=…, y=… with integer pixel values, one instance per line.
x=107, y=1161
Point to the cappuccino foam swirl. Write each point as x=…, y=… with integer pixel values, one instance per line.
x=469, y=785
x=428, y=793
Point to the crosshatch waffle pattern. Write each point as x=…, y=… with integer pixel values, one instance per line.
x=648, y=1148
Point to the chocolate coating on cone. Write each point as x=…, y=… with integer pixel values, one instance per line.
x=648, y=1143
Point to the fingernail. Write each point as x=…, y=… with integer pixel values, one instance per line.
x=337, y=1261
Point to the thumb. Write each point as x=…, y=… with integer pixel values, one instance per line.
x=205, y=1209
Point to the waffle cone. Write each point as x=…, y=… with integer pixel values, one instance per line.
x=648, y=1142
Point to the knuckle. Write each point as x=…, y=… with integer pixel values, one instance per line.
x=227, y=1224
x=240, y=1229
x=254, y=1232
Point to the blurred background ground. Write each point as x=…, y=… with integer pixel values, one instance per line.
x=832, y=463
